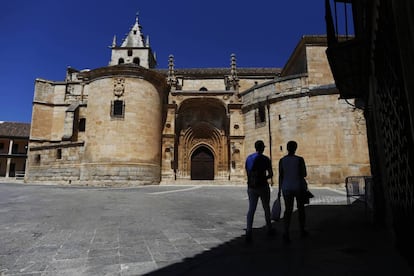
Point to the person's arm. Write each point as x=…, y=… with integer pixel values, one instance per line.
x=269, y=169
x=270, y=172
x=280, y=178
x=303, y=167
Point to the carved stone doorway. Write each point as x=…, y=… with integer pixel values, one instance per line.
x=202, y=164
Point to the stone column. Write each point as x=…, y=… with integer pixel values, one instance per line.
x=9, y=158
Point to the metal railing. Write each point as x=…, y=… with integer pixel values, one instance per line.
x=360, y=188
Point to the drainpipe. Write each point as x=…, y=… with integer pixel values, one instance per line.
x=228, y=146
x=175, y=156
x=270, y=132
x=82, y=92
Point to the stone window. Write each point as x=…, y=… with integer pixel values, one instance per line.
x=121, y=61
x=117, y=109
x=37, y=159
x=129, y=52
x=82, y=124
x=136, y=61
x=59, y=154
x=260, y=116
x=203, y=89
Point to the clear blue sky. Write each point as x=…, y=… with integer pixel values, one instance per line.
x=40, y=38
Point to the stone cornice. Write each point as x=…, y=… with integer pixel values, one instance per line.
x=276, y=80
x=318, y=91
x=202, y=93
x=127, y=70
x=206, y=73
x=83, y=104
x=57, y=145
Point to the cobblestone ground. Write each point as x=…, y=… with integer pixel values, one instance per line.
x=51, y=230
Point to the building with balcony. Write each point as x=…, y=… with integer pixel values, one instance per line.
x=14, y=139
x=370, y=51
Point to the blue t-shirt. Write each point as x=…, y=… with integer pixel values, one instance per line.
x=259, y=169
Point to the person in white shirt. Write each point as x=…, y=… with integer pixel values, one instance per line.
x=292, y=173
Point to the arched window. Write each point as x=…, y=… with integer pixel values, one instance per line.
x=121, y=61
x=136, y=61
x=203, y=89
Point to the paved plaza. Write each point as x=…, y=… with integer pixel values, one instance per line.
x=181, y=230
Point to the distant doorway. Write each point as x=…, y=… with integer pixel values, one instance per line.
x=202, y=164
x=12, y=171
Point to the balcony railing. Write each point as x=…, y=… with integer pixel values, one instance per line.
x=347, y=52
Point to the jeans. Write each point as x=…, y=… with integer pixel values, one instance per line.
x=254, y=195
x=289, y=198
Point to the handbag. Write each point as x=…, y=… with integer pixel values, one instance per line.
x=276, y=209
x=307, y=195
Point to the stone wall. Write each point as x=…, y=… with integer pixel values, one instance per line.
x=318, y=70
x=113, y=150
x=303, y=105
x=54, y=164
x=134, y=138
x=48, y=111
x=196, y=84
x=330, y=133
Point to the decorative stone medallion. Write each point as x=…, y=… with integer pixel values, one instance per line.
x=119, y=86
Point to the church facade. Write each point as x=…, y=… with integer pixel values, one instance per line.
x=131, y=124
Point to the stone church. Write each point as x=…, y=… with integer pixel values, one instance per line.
x=130, y=123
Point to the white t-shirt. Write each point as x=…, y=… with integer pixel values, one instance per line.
x=293, y=170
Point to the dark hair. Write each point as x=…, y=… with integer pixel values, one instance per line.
x=259, y=145
x=292, y=146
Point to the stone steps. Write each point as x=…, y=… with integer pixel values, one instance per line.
x=203, y=182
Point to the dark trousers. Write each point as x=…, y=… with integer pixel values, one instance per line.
x=289, y=201
x=254, y=195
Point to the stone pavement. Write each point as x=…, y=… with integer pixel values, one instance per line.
x=187, y=230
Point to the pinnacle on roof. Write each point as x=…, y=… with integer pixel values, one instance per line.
x=135, y=38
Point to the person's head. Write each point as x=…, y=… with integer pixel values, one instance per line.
x=291, y=147
x=259, y=146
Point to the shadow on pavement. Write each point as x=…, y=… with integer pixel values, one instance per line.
x=341, y=242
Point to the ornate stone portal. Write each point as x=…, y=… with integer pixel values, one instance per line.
x=202, y=124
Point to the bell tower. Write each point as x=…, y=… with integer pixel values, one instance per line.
x=134, y=49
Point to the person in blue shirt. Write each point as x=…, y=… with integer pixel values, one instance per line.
x=259, y=170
